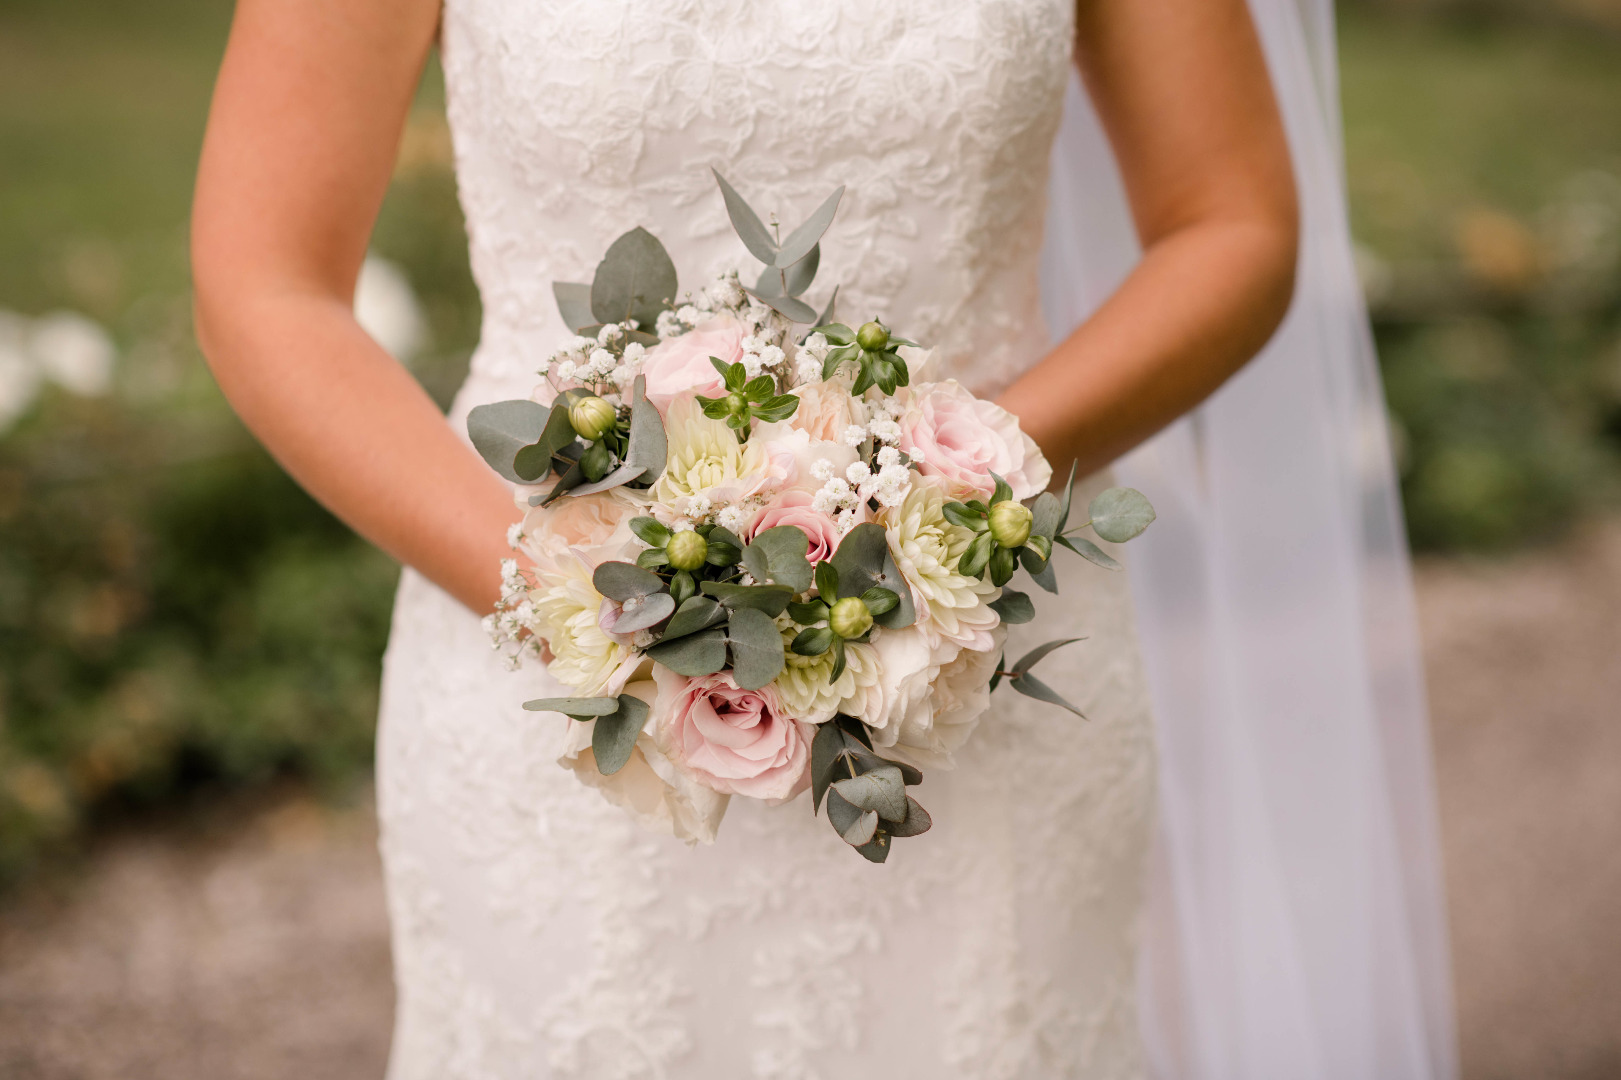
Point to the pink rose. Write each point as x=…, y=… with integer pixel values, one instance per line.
x=739, y=742
x=963, y=439
x=793, y=507
x=682, y=364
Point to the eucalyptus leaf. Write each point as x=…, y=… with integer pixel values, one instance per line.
x=574, y=304
x=625, y=581
x=1044, y=515
x=618, y=478
x=770, y=600
x=572, y=478
x=1040, y=653
x=1040, y=570
x=1120, y=514
x=537, y=459
x=827, y=582
x=843, y=815
x=1001, y=666
x=1067, y=497
x=750, y=229
x=1089, y=551
x=1014, y=607
x=703, y=653
x=862, y=561
x=791, y=307
x=1030, y=686
x=695, y=613
x=827, y=313
x=877, y=849
x=634, y=280
x=778, y=555
x=574, y=706
x=499, y=430
x=802, y=273
x=651, y=611
x=880, y=790
x=825, y=750
x=614, y=737
x=648, y=447
x=803, y=239
x=917, y=820
x=756, y=648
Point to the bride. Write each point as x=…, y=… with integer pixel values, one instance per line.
x=1282, y=883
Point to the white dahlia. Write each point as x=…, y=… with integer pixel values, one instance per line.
x=567, y=607
x=804, y=686
x=706, y=462
x=950, y=606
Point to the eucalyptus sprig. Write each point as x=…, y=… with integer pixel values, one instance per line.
x=867, y=803
x=873, y=348
x=746, y=399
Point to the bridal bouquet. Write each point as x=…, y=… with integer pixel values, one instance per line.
x=759, y=553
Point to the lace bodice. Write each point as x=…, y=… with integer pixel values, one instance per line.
x=937, y=114
x=539, y=931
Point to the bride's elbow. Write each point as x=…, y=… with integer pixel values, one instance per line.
x=1277, y=259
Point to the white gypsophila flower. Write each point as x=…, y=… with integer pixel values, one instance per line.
x=601, y=362
x=732, y=518
x=858, y=473
x=688, y=314
x=515, y=534
x=74, y=352
x=698, y=507
x=668, y=326
x=752, y=366
x=887, y=456
x=884, y=429
x=855, y=435
x=386, y=307
x=565, y=370
x=724, y=293
x=610, y=333
x=681, y=525
x=807, y=369
x=634, y=352
x=822, y=469
x=817, y=345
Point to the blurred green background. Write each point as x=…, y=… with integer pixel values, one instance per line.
x=176, y=616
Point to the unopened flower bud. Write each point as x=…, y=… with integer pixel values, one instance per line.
x=687, y=550
x=872, y=337
x=850, y=618
x=591, y=417
x=737, y=404
x=1010, y=523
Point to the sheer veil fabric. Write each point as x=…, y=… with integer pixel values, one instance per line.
x=1295, y=922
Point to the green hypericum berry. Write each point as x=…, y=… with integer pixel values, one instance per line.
x=591, y=417
x=873, y=337
x=1010, y=523
x=687, y=550
x=850, y=618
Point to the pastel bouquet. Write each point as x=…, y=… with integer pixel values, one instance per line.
x=759, y=554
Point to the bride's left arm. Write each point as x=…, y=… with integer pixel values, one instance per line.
x=1182, y=89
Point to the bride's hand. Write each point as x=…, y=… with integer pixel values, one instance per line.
x=1183, y=93
x=307, y=115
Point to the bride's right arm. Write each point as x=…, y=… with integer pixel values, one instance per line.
x=307, y=115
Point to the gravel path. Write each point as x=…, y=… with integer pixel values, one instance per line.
x=250, y=941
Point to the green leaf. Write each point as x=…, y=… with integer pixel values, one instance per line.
x=1014, y=607
x=827, y=582
x=837, y=333
x=802, y=273
x=849, y=820
x=769, y=600
x=812, y=642
x=801, y=240
x=839, y=660
x=537, y=459
x=1040, y=570
x=778, y=554
x=714, y=408
x=880, y=790
x=1039, y=653
x=718, y=535
x=683, y=586
x=647, y=447
x=1030, y=686
x=978, y=507
x=703, y=653
x=917, y=820
x=863, y=560
x=650, y=611
x=634, y=280
x=624, y=581
x=1069, y=494
x=1001, y=666
x=977, y=557
x=963, y=517
x=574, y=706
x=736, y=375
x=618, y=478
x=574, y=304
x=1089, y=551
x=760, y=388
x=1003, y=491
x=809, y=613
x=652, y=559
x=1003, y=563
x=614, y=737
x=826, y=316
x=750, y=229
x=695, y=613
x=572, y=478
x=837, y=356
x=778, y=408
x=1120, y=514
x=880, y=600
x=650, y=531
x=1044, y=515
x=825, y=750
x=756, y=648
x=793, y=308
x=499, y=430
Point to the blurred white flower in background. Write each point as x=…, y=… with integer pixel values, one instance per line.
x=387, y=308
x=63, y=347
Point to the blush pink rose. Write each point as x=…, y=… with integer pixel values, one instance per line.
x=739, y=742
x=793, y=507
x=963, y=440
x=681, y=364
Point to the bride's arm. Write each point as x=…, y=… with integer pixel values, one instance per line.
x=301, y=141
x=1183, y=93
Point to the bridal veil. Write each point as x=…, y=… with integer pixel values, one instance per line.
x=1296, y=928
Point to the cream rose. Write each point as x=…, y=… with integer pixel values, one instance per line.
x=593, y=525
x=963, y=440
x=826, y=409
x=681, y=364
x=740, y=742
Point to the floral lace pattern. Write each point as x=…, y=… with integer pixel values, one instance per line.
x=538, y=931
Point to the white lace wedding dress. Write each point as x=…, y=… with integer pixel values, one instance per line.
x=538, y=932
